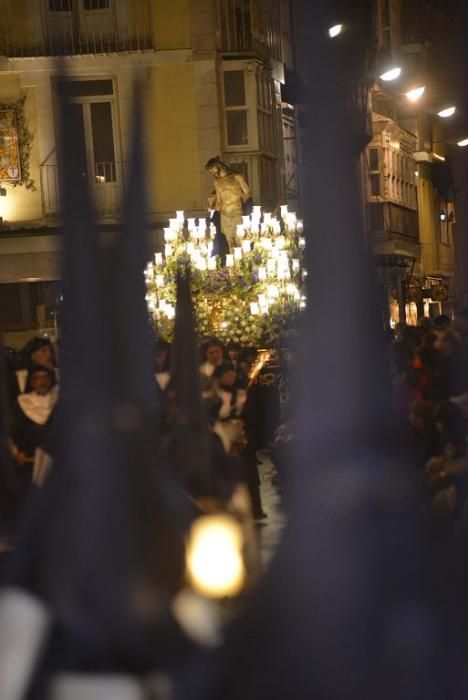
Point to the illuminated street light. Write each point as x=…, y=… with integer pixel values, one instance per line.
x=392, y=74
x=463, y=143
x=415, y=94
x=335, y=30
x=448, y=112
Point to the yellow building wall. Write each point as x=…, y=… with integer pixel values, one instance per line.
x=173, y=153
x=436, y=256
x=15, y=13
x=171, y=24
x=427, y=225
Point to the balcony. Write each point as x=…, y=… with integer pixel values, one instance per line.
x=74, y=31
x=250, y=27
x=107, y=185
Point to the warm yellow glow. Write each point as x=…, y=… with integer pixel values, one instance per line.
x=415, y=94
x=335, y=30
x=463, y=143
x=448, y=112
x=214, y=556
x=392, y=74
x=438, y=157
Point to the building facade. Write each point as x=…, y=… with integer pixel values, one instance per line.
x=215, y=72
x=411, y=217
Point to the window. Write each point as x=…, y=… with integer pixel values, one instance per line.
x=96, y=4
x=60, y=5
x=374, y=185
x=235, y=100
x=85, y=88
x=266, y=125
x=374, y=160
x=92, y=113
x=385, y=13
x=234, y=88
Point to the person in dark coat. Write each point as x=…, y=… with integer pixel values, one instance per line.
x=38, y=351
x=32, y=417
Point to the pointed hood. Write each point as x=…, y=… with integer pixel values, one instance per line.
x=190, y=428
x=108, y=545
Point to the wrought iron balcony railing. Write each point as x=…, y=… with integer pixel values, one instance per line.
x=107, y=183
x=73, y=32
x=250, y=27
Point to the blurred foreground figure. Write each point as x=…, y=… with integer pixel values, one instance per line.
x=355, y=605
x=97, y=585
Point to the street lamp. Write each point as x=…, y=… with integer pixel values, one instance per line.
x=415, y=94
x=335, y=30
x=447, y=112
x=391, y=74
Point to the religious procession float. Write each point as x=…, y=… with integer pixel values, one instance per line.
x=253, y=294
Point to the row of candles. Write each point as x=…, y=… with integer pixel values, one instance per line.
x=257, y=230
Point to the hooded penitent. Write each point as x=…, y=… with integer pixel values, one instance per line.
x=105, y=548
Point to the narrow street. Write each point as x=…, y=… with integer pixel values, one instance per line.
x=270, y=530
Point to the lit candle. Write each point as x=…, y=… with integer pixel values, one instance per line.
x=229, y=260
x=302, y=242
x=280, y=242
x=255, y=227
x=209, y=248
x=300, y=226
x=276, y=227
x=284, y=211
x=237, y=253
x=271, y=266
x=190, y=248
x=267, y=218
x=254, y=308
x=201, y=265
x=211, y=263
x=262, y=300
x=257, y=212
x=296, y=265
x=180, y=216
x=245, y=221
x=174, y=224
x=158, y=258
x=191, y=224
x=262, y=274
x=246, y=246
x=267, y=244
x=159, y=280
x=240, y=230
x=272, y=291
x=168, y=250
x=167, y=234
